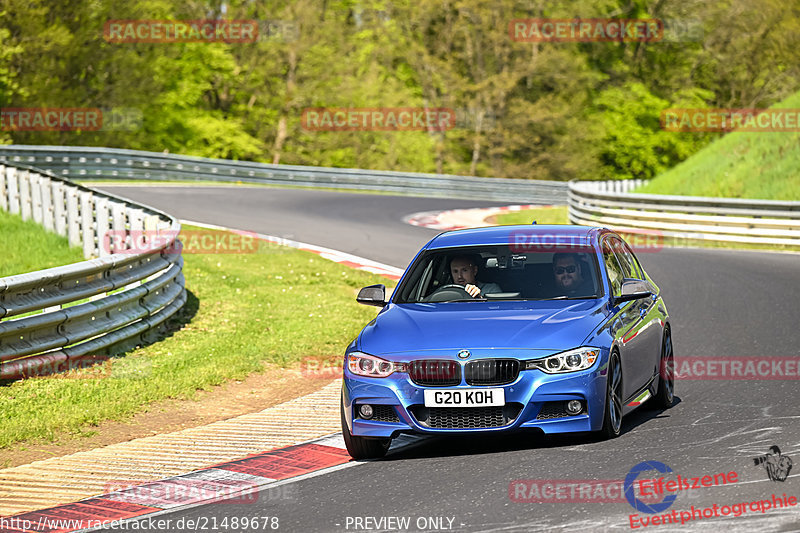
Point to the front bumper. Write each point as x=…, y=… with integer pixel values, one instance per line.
x=532, y=394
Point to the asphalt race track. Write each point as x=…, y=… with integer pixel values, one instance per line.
x=722, y=303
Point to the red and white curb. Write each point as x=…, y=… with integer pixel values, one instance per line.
x=454, y=219
x=236, y=481
x=343, y=258
x=239, y=481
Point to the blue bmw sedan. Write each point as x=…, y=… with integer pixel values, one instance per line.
x=552, y=328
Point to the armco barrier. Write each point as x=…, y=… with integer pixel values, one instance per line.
x=686, y=217
x=70, y=314
x=86, y=163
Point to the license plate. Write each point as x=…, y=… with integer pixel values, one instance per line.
x=465, y=398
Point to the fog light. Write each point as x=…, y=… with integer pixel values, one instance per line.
x=366, y=411
x=574, y=407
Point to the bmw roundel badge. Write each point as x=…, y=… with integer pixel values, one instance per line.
x=463, y=354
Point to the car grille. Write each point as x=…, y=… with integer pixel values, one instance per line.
x=552, y=410
x=384, y=413
x=466, y=417
x=491, y=371
x=435, y=373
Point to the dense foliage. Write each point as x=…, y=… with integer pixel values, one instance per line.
x=532, y=110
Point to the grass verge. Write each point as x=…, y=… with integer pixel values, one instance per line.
x=27, y=247
x=276, y=306
x=542, y=215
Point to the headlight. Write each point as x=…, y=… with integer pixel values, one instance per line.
x=374, y=367
x=569, y=361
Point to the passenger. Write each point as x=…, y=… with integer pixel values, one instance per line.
x=570, y=279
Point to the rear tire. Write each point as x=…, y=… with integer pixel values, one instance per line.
x=612, y=415
x=666, y=379
x=362, y=447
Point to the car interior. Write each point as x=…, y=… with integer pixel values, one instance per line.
x=519, y=275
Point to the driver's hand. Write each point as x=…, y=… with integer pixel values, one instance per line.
x=473, y=290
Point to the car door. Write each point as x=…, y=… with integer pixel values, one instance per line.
x=646, y=331
x=652, y=329
x=623, y=324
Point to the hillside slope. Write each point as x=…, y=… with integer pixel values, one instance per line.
x=739, y=165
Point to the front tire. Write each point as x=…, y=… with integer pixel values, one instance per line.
x=361, y=447
x=666, y=380
x=612, y=416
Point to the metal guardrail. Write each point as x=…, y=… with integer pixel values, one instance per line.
x=86, y=309
x=686, y=217
x=90, y=308
x=87, y=163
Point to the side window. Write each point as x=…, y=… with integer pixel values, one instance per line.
x=637, y=266
x=630, y=267
x=613, y=268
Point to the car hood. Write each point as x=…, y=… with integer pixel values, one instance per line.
x=533, y=325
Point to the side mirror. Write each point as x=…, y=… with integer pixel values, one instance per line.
x=633, y=289
x=372, y=295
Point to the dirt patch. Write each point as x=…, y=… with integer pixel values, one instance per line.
x=256, y=393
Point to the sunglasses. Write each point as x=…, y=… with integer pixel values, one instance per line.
x=570, y=269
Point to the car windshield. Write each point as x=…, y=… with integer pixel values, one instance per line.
x=501, y=274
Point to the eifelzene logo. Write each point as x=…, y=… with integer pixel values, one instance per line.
x=777, y=466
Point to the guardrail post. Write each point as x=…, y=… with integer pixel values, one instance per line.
x=73, y=217
x=3, y=189
x=118, y=225
x=46, y=191
x=59, y=208
x=13, y=190
x=105, y=239
x=25, y=194
x=87, y=224
x=138, y=237
x=36, y=197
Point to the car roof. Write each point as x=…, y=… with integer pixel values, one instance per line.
x=500, y=235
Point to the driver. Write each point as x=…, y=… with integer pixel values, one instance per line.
x=569, y=276
x=463, y=269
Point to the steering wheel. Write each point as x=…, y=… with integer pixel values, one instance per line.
x=445, y=293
